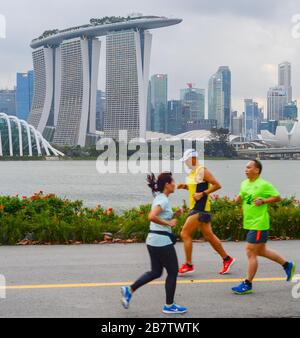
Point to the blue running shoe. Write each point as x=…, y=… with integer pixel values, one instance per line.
x=126, y=296
x=243, y=289
x=290, y=271
x=175, y=309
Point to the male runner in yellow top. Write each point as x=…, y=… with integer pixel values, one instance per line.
x=200, y=184
x=256, y=194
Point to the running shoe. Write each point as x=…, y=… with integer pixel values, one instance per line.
x=227, y=265
x=185, y=270
x=126, y=296
x=290, y=271
x=175, y=309
x=243, y=289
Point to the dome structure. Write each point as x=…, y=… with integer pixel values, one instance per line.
x=282, y=138
x=193, y=135
x=18, y=138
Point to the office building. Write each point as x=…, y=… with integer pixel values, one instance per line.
x=277, y=100
x=194, y=98
x=159, y=102
x=285, y=79
x=251, y=119
x=24, y=94
x=219, y=97
x=290, y=111
x=8, y=102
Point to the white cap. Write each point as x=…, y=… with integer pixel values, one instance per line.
x=190, y=153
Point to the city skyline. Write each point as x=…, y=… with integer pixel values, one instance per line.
x=262, y=42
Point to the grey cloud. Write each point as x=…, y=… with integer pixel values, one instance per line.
x=246, y=35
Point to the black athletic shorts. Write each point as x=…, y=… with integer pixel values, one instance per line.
x=204, y=217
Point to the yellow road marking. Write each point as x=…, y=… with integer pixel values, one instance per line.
x=98, y=285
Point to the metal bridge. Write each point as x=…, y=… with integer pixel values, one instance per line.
x=270, y=152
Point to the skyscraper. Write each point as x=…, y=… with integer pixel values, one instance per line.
x=127, y=80
x=226, y=87
x=219, y=97
x=277, y=100
x=100, y=110
x=251, y=119
x=175, y=117
x=76, y=118
x=159, y=102
x=215, y=101
x=149, y=110
x=64, y=102
x=42, y=102
x=237, y=127
x=290, y=111
x=24, y=94
x=194, y=98
x=285, y=79
x=66, y=65
x=8, y=102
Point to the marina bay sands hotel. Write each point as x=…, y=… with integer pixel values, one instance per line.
x=66, y=67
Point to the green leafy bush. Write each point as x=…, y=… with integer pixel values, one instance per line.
x=50, y=219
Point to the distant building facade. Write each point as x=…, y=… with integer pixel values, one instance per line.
x=159, y=102
x=219, y=97
x=270, y=126
x=100, y=110
x=24, y=94
x=194, y=98
x=285, y=79
x=277, y=100
x=251, y=119
x=237, y=125
x=290, y=111
x=8, y=102
x=175, y=117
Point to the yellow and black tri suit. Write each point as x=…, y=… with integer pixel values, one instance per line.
x=202, y=207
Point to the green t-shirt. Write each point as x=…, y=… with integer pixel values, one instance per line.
x=256, y=218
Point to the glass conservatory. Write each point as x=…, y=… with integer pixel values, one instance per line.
x=18, y=138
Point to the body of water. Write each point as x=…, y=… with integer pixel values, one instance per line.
x=80, y=180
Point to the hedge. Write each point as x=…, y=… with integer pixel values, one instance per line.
x=41, y=219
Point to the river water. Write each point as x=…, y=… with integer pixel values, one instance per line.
x=80, y=180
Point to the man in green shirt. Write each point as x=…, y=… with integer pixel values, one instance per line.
x=255, y=195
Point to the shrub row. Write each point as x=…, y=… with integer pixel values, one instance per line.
x=50, y=219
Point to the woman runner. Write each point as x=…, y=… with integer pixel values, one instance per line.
x=160, y=244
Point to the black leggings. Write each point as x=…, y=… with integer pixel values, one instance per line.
x=161, y=257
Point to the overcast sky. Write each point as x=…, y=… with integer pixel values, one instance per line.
x=251, y=37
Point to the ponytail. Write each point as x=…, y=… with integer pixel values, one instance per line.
x=158, y=185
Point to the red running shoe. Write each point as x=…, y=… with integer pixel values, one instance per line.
x=227, y=265
x=186, y=270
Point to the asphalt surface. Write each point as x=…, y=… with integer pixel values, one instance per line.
x=84, y=281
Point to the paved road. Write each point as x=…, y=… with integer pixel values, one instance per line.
x=83, y=281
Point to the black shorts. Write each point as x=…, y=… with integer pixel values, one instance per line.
x=258, y=237
x=204, y=217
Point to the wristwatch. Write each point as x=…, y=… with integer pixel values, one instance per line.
x=205, y=194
